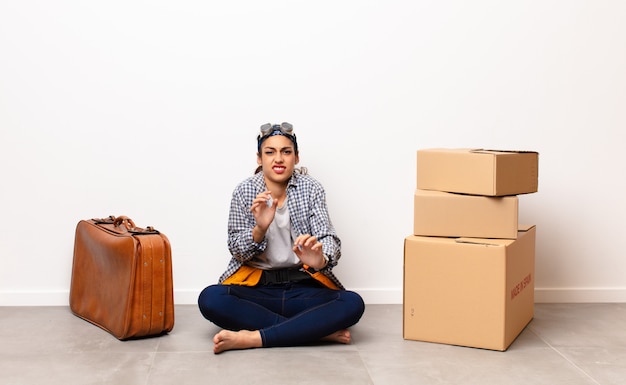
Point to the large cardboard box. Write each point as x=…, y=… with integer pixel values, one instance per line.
x=445, y=214
x=478, y=172
x=467, y=291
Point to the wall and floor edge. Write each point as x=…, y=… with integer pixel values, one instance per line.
x=370, y=296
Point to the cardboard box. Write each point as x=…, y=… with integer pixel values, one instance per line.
x=445, y=214
x=478, y=172
x=467, y=291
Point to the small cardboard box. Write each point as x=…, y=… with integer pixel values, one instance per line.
x=478, y=172
x=467, y=291
x=443, y=214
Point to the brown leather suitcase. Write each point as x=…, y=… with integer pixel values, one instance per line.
x=122, y=278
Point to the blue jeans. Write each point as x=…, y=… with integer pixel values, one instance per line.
x=285, y=314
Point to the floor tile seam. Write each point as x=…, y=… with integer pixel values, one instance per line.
x=367, y=368
x=557, y=351
x=154, y=355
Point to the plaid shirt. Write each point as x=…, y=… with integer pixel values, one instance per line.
x=306, y=201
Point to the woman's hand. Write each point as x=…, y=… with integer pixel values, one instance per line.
x=263, y=214
x=309, y=250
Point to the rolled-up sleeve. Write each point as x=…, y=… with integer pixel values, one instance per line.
x=240, y=224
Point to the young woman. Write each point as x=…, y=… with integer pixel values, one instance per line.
x=279, y=289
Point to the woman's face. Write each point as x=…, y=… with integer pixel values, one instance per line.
x=278, y=158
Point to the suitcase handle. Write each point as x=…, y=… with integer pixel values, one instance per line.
x=122, y=219
x=131, y=228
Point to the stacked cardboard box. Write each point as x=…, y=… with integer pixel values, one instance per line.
x=469, y=265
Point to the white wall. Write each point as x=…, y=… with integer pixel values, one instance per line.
x=151, y=109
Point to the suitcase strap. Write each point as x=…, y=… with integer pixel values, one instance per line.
x=154, y=284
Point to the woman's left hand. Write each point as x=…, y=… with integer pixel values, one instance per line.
x=309, y=250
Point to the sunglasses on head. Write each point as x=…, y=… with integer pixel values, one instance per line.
x=284, y=127
x=269, y=129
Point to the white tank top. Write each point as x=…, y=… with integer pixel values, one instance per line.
x=279, y=251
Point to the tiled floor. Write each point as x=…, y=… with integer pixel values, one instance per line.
x=564, y=344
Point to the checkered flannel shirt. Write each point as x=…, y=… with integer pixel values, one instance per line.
x=306, y=201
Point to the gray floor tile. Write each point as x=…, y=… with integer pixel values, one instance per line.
x=56, y=330
x=606, y=365
x=564, y=344
x=581, y=325
x=191, y=333
x=442, y=364
x=280, y=366
x=75, y=368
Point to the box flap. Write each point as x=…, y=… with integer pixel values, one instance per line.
x=525, y=228
x=484, y=242
x=486, y=151
x=493, y=241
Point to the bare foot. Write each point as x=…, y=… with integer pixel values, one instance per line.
x=229, y=340
x=341, y=336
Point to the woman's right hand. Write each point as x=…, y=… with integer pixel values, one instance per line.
x=263, y=214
